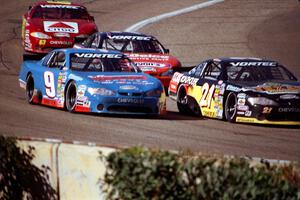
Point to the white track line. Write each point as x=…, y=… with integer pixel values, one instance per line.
x=157, y=18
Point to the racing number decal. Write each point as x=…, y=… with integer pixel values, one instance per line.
x=49, y=84
x=207, y=94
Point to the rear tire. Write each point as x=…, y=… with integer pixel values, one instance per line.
x=231, y=107
x=71, y=97
x=29, y=93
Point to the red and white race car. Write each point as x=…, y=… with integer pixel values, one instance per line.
x=54, y=24
x=145, y=50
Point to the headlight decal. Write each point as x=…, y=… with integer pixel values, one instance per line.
x=261, y=101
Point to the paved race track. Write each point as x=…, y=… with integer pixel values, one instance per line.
x=268, y=29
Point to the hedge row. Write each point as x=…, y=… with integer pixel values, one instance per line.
x=139, y=173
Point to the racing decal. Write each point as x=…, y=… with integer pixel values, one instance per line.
x=241, y=102
x=150, y=64
x=233, y=88
x=289, y=96
x=27, y=41
x=117, y=77
x=97, y=55
x=61, y=6
x=49, y=84
x=243, y=107
x=42, y=42
x=128, y=87
x=273, y=88
x=64, y=27
x=241, y=96
x=207, y=94
x=243, y=64
x=81, y=90
x=267, y=110
x=130, y=100
x=128, y=37
x=240, y=113
x=61, y=80
x=136, y=56
x=289, y=110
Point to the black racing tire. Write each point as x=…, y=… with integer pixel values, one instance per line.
x=231, y=107
x=29, y=92
x=71, y=97
x=182, y=102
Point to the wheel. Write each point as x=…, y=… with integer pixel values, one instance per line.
x=182, y=102
x=71, y=96
x=231, y=107
x=29, y=89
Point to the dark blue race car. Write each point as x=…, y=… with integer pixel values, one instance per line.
x=86, y=80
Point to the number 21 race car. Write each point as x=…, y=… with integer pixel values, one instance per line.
x=247, y=90
x=86, y=80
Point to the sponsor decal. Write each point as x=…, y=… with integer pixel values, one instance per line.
x=148, y=56
x=27, y=39
x=233, y=88
x=289, y=96
x=150, y=64
x=241, y=113
x=81, y=90
x=148, y=69
x=242, y=64
x=288, y=110
x=128, y=87
x=241, y=96
x=60, y=6
x=60, y=42
x=189, y=80
x=130, y=100
x=118, y=77
x=241, y=102
x=242, y=107
x=128, y=37
x=248, y=113
x=97, y=55
x=277, y=89
x=42, y=42
x=63, y=27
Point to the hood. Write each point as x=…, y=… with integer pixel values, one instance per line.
x=274, y=87
x=151, y=63
x=71, y=27
x=122, y=82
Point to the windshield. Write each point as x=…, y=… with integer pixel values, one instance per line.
x=60, y=12
x=102, y=63
x=133, y=46
x=259, y=73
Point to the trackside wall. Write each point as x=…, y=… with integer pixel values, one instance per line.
x=75, y=169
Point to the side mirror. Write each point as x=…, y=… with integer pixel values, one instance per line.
x=167, y=51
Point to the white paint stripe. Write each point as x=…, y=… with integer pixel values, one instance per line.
x=157, y=18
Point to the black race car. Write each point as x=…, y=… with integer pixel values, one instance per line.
x=248, y=90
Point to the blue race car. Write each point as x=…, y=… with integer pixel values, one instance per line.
x=88, y=80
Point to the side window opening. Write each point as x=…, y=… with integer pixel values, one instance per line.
x=212, y=71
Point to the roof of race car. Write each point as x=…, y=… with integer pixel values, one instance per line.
x=56, y=3
x=120, y=33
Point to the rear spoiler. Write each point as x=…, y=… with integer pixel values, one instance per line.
x=183, y=69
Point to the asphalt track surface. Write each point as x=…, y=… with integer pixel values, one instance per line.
x=268, y=29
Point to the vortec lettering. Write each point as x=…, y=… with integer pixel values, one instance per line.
x=97, y=55
x=287, y=110
x=129, y=37
x=60, y=6
x=243, y=64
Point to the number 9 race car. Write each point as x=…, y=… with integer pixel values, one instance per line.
x=245, y=90
x=86, y=80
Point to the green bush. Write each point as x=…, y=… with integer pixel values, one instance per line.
x=139, y=173
x=19, y=178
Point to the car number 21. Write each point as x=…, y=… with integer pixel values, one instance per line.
x=207, y=94
x=49, y=84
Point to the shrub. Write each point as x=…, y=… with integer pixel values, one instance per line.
x=139, y=173
x=19, y=178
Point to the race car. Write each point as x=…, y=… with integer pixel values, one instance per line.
x=55, y=24
x=87, y=80
x=249, y=90
x=145, y=50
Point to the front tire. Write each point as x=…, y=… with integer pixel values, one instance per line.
x=182, y=101
x=29, y=94
x=71, y=97
x=231, y=107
